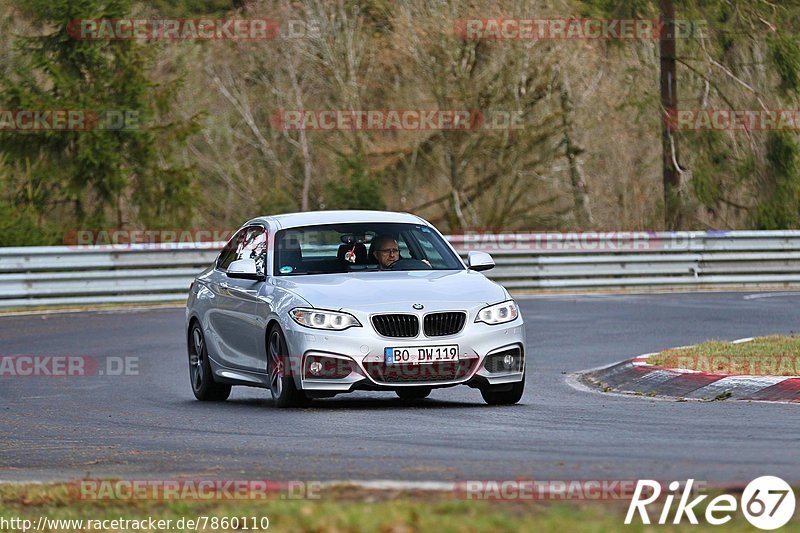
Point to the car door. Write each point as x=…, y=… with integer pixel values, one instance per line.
x=238, y=315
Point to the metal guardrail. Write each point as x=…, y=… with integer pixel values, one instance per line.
x=77, y=275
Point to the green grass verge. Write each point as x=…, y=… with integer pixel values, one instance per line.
x=775, y=355
x=346, y=510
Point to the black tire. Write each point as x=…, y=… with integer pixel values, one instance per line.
x=413, y=393
x=204, y=387
x=281, y=384
x=505, y=395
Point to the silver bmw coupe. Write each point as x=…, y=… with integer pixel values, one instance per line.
x=310, y=305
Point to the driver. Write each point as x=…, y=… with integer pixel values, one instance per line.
x=386, y=251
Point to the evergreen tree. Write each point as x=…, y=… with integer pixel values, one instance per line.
x=111, y=173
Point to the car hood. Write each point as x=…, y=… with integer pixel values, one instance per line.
x=373, y=291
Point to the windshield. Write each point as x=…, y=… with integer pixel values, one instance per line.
x=361, y=247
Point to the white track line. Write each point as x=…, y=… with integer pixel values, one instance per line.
x=770, y=295
x=378, y=484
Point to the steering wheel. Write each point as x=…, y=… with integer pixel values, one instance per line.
x=409, y=264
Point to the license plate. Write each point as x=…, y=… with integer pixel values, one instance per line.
x=421, y=354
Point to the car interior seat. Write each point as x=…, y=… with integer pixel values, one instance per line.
x=358, y=248
x=289, y=253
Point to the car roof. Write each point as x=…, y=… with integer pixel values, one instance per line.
x=309, y=218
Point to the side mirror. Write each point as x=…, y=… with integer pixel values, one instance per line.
x=244, y=269
x=479, y=261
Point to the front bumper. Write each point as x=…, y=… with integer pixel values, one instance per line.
x=363, y=348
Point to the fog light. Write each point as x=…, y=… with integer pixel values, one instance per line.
x=321, y=367
x=510, y=360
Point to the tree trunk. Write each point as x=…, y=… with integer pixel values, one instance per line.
x=454, y=187
x=308, y=168
x=673, y=202
x=583, y=213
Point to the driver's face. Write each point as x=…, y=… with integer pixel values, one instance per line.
x=387, y=253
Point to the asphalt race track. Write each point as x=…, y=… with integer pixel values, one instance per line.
x=149, y=425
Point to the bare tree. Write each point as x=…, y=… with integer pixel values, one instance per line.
x=673, y=201
x=572, y=151
x=499, y=79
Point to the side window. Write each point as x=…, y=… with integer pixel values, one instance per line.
x=228, y=254
x=253, y=246
x=248, y=243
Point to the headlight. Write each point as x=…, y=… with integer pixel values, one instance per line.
x=498, y=313
x=314, y=318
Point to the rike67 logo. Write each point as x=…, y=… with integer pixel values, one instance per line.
x=767, y=502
